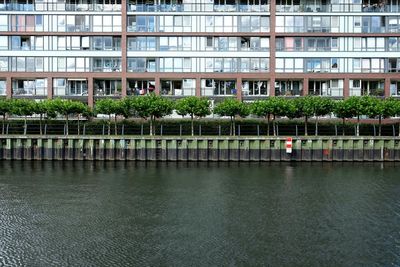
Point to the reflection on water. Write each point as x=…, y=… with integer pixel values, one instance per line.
x=184, y=214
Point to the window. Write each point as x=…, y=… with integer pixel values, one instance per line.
x=61, y=63
x=3, y=87
x=3, y=23
x=3, y=64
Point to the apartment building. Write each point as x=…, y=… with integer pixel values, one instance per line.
x=85, y=50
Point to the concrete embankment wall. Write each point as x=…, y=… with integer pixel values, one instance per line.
x=198, y=148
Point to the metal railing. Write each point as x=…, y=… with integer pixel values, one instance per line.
x=339, y=8
x=60, y=7
x=85, y=128
x=198, y=7
x=179, y=92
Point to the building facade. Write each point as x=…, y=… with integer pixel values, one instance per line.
x=250, y=49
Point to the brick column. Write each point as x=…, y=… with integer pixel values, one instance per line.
x=157, y=84
x=124, y=60
x=198, y=87
x=272, y=86
x=305, y=86
x=50, y=87
x=124, y=86
x=239, y=88
x=272, y=48
x=387, y=87
x=8, y=87
x=346, y=88
x=90, y=92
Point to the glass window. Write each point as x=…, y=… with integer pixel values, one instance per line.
x=30, y=64
x=3, y=64
x=20, y=64
x=3, y=23
x=61, y=62
x=70, y=64
x=2, y=87
x=3, y=42
x=116, y=23
x=61, y=43
x=75, y=43
x=39, y=43
x=39, y=64
x=108, y=43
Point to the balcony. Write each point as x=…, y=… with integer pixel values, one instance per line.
x=60, y=7
x=178, y=6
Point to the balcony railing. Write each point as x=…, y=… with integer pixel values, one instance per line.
x=198, y=8
x=210, y=91
x=179, y=92
x=30, y=91
x=338, y=8
x=60, y=7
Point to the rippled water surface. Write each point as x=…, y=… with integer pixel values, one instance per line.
x=131, y=214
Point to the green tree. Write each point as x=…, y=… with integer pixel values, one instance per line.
x=81, y=109
x=341, y=111
x=280, y=107
x=65, y=108
x=23, y=107
x=305, y=108
x=322, y=107
x=374, y=108
x=355, y=107
x=264, y=109
x=5, y=108
x=109, y=107
x=232, y=107
x=194, y=107
x=41, y=108
x=151, y=107
x=391, y=108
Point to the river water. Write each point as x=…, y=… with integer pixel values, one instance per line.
x=199, y=214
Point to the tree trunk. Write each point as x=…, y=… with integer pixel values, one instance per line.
x=380, y=126
x=268, y=119
x=192, y=124
x=67, y=126
x=234, y=126
x=316, y=125
x=25, y=125
x=151, y=125
x=343, y=124
x=4, y=122
x=230, y=127
x=40, y=123
x=273, y=125
x=358, y=126
x=115, y=125
x=109, y=124
x=305, y=125
x=79, y=128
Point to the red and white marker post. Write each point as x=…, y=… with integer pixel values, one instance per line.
x=289, y=145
